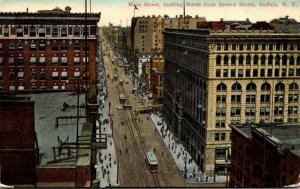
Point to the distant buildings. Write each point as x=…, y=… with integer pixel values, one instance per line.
x=214, y=78
x=265, y=156
x=45, y=50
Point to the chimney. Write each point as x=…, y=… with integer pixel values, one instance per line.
x=68, y=9
x=286, y=17
x=27, y=9
x=222, y=19
x=247, y=19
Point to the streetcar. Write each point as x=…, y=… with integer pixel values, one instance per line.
x=151, y=161
x=122, y=98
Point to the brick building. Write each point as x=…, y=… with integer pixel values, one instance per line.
x=17, y=141
x=46, y=50
x=265, y=156
x=156, y=79
x=214, y=78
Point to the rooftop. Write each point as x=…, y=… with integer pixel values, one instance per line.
x=52, y=131
x=286, y=136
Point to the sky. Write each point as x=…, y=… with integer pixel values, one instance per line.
x=119, y=12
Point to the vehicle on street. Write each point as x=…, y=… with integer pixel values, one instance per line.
x=151, y=161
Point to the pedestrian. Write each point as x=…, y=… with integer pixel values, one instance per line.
x=125, y=136
x=126, y=150
x=120, y=151
x=162, y=153
x=154, y=150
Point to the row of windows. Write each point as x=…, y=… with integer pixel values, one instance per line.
x=264, y=98
x=252, y=87
x=283, y=72
x=34, y=31
x=251, y=111
x=42, y=60
x=258, y=46
x=255, y=59
x=42, y=46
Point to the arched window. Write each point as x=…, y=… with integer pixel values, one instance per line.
x=292, y=60
x=221, y=87
x=255, y=59
x=270, y=59
x=251, y=87
x=277, y=59
x=263, y=60
x=218, y=60
x=248, y=59
x=293, y=87
x=266, y=87
x=233, y=60
x=284, y=59
x=236, y=87
x=241, y=60
x=226, y=58
x=279, y=87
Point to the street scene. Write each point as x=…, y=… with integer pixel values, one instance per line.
x=107, y=94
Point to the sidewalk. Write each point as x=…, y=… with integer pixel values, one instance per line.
x=182, y=158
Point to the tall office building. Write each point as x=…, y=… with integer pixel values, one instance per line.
x=214, y=78
x=45, y=49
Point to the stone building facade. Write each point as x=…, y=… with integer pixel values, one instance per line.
x=215, y=78
x=46, y=49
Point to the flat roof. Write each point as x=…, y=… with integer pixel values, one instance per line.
x=286, y=136
x=48, y=107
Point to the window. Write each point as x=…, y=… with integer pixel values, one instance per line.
x=20, y=75
x=54, y=46
x=233, y=47
x=248, y=59
x=266, y=87
x=225, y=73
x=6, y=31
x=298, y=59
x=269, y=72
x=54, y=75
x=292, y=60
x=11, y=47
x=247, y=72
x=270, y=47
x=221, y=98
x=264, y=111
x=220, y=153
x=262, y=72
x=279, y=87
x=20, y=46
x=293, y=97
x=32, y=31
x=241, y=60
x=218, y=47
x=256, y=47
x=235, y=111
x=265, y=98
x=1, y=46
x=221, y=112
x=277, y=46
x=64, y=75
x=85, y=31
x=64, y=46
x=293, y=87
x=225, y=47
x=236, y=87
x=284, y=59
x=276, y=73
x=248, y=47
x=233, y=60
x=255, y=72
x=292, y=110
x=250, y=98
x=291, y=72
x=33, y=60
x=85, y=59
x=235, y=98
x=64, y=31
x=277, y=59
x=226, y=59
x=263, y=47
x=221, y=87
x=283, y=72
x=42, y=60
x=220, y=124
x=250, y=112
x=255, y=59
x=42, y=75
x=64, y=61
x=77, y=46
x=32, y=46
x=76, y=74
x=240, y=73
x=263, y=59
x=11, y=76
x=20, y=31
x=218, y=60
x=1, y=61
x=11, y=60
x=251, y=87
x=270, y=59
x=279, y=98
x=20, y=60
x=241, y=47
x=297, y=72
x=76, y=60
x=42, y=31
x=218, y=73
x=77, y=31
x=232, y=74
x=55, y=31
x=33, y=76
x=220, y=136
x=284, y=47
x=278, y=110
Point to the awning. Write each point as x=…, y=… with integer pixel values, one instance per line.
x=42, y=59
x=54, y=74
x=76, y=59
x=55, y=59
x=64, y=60
x=20, y=74
x=76, y=74
x=32, y=59
x=64, y=74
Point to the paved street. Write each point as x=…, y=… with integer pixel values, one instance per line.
x=134, y=137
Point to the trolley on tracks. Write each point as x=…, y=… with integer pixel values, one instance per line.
x=151, y=161
x=122, y=98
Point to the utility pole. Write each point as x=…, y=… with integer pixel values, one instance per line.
x=183, y=14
